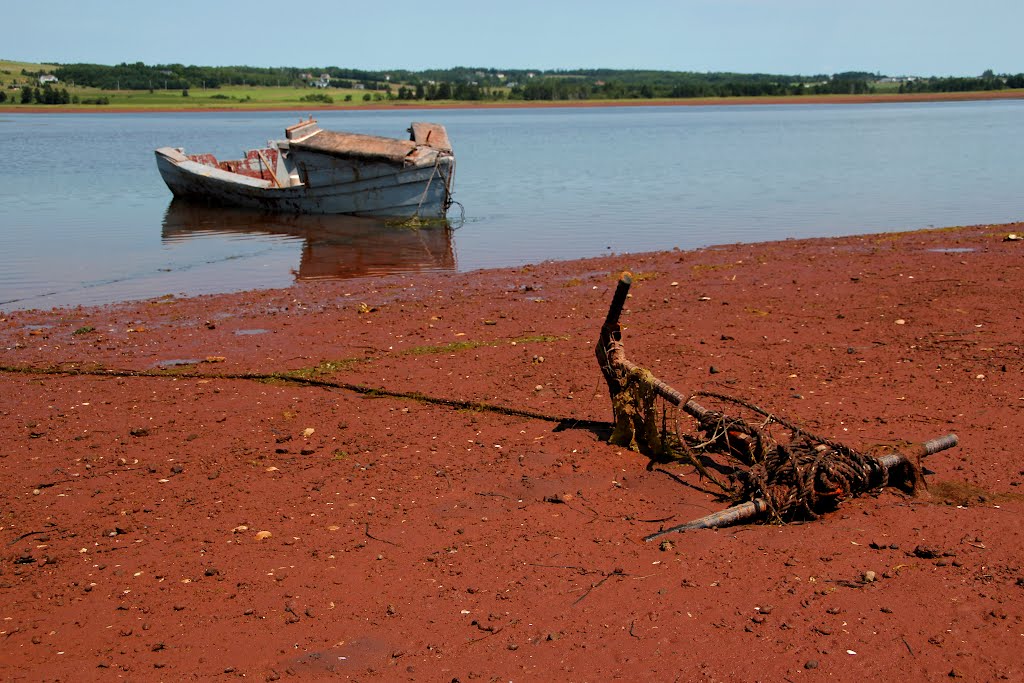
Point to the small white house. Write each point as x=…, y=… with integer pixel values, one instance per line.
x=48, y=78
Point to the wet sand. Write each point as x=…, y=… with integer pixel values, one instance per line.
x=198, y=524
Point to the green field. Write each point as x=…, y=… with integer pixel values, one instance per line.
x=10, y=74
x=231, y=97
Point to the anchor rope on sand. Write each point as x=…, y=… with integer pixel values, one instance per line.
x=761, y=474
x=290, y=378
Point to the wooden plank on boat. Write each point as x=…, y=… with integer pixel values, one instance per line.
x=432, y=134
x=357, y=145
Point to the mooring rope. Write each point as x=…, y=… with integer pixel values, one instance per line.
x=436, y=171
x=372, y=392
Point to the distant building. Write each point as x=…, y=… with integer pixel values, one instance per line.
x=322, y=82
x=48, y=78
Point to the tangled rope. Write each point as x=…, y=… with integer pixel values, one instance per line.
x=798, y=476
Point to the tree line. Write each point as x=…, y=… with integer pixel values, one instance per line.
x=987, y=81
x=47, y=94
x=576, y=89
x=140, y=76
x=468, y=83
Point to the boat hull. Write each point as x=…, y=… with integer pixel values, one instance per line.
x=364, y=190
x=315, y=171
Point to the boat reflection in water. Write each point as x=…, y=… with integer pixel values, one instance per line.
x=334, y=247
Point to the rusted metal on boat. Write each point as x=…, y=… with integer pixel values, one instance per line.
x=324, y=172
x=804, y=474
x=270, y=169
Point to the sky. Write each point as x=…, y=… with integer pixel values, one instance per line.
x=891, y=37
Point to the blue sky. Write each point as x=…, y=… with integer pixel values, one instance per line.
x=894, y=37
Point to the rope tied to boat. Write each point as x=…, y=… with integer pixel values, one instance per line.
x=435, y=172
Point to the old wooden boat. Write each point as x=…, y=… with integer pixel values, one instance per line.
x=324, y=172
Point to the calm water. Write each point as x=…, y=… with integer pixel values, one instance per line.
x=85, y=217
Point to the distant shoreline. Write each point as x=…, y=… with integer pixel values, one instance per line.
x=538, y=104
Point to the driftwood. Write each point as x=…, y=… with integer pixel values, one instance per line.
x=790, y=479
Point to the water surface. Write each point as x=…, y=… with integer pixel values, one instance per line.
x=85, y=217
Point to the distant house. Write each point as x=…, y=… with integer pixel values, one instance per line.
x=48, y=78
x=323, y=81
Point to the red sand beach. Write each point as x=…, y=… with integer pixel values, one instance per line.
x=197, y=524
